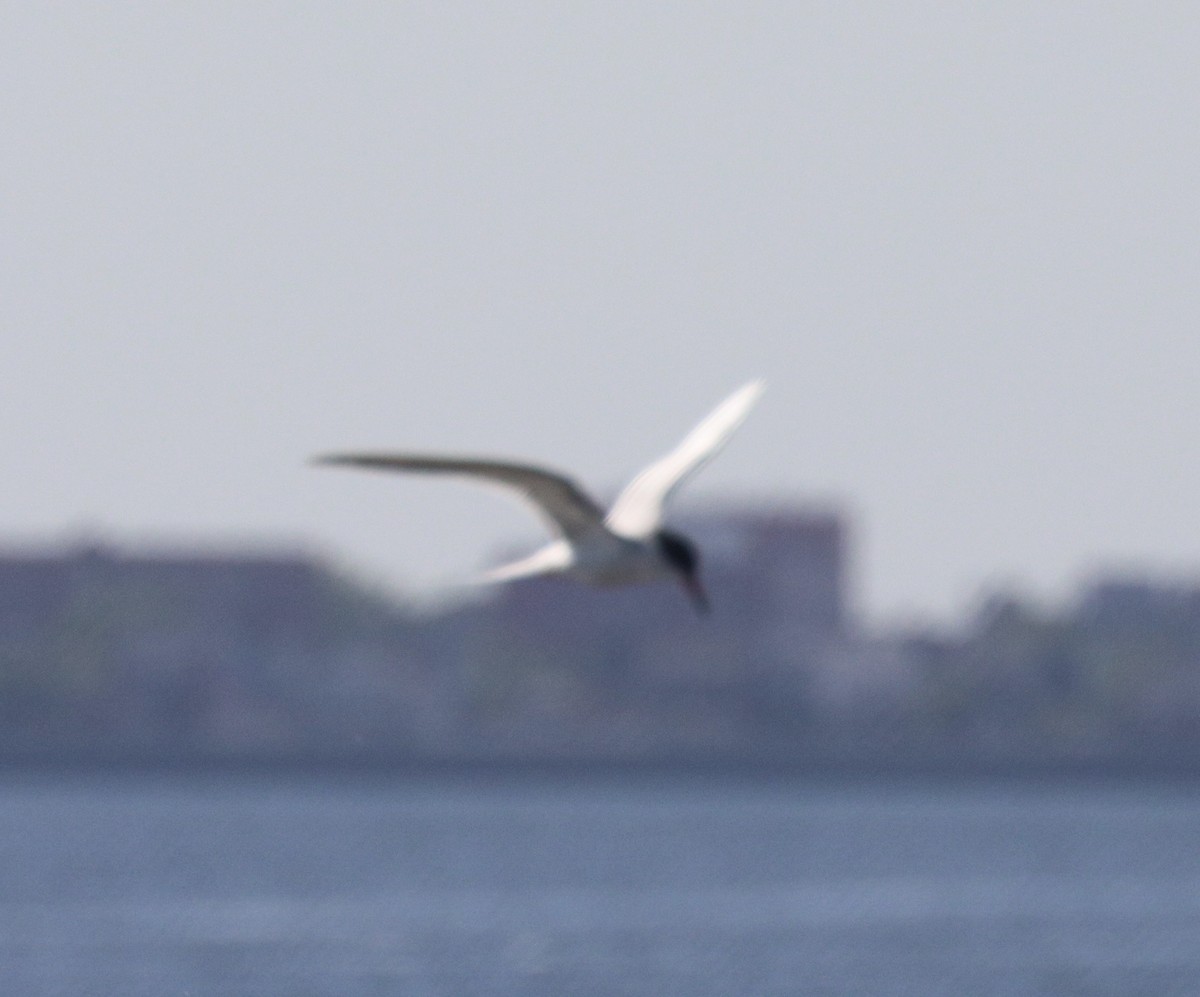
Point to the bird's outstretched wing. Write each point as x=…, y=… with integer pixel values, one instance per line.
x=638, y=510
x=568, y=510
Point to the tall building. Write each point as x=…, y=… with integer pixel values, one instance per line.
x=783, y=565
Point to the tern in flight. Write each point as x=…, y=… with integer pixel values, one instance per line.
x=625, y=545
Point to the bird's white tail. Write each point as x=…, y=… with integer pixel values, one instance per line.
x=550, y=559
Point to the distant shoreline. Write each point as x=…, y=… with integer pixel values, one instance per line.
x=477, y=768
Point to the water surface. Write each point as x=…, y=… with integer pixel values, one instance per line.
x=346, y=886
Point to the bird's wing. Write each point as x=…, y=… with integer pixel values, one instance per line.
x=638, y=510
x=569, y=511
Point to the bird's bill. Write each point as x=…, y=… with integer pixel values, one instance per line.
x=696, y=592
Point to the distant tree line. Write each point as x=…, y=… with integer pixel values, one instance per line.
x=193, y=656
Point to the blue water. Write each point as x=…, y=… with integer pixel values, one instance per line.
x=292, y=887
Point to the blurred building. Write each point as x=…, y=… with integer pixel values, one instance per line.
x=271, y=654
x=145, y=647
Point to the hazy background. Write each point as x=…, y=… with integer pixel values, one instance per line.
x=960, y=243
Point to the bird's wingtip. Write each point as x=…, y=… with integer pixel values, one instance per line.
x=327, y=460
x=749, y=392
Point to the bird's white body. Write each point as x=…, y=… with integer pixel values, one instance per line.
x=624, y=546
x=598, y=558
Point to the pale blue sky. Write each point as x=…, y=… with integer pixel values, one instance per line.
x=960, y=241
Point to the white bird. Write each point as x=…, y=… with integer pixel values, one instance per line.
x=626, y=545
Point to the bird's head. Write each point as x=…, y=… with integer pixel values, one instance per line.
x=680, y=555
